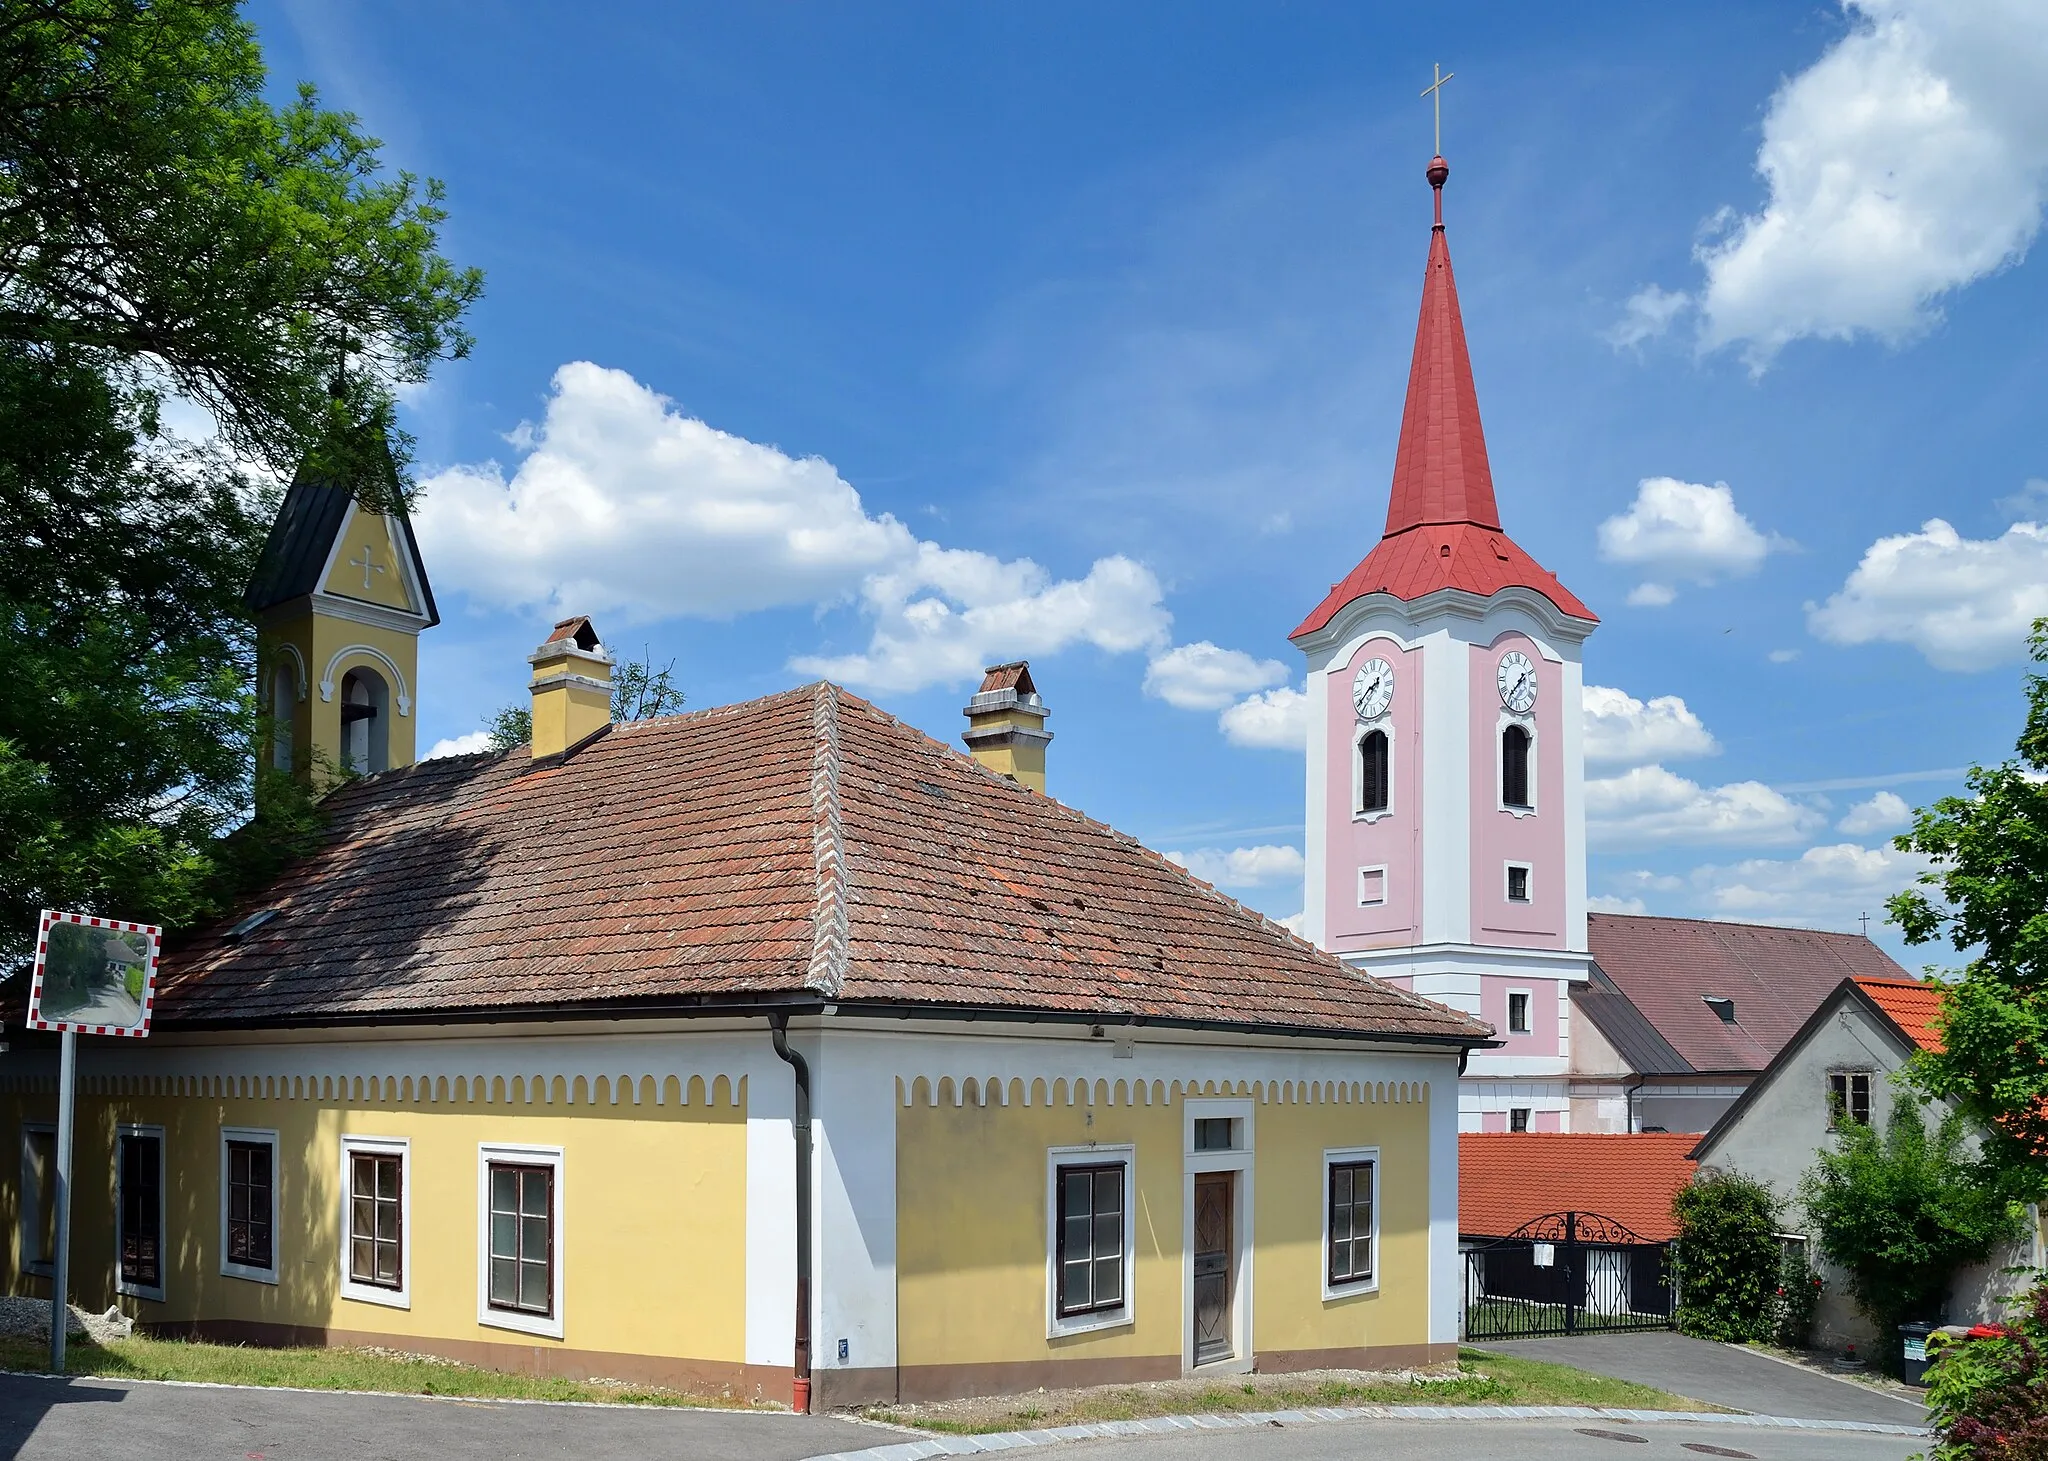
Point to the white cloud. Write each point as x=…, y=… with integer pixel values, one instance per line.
x=1609, y=903
x=1621, y=730
x=1648, y=806
x=1242, y=867
x=1682, y=532
x=1782, y=656
x=2029, y=504
x=1201, y=676
x=1885, y=812
x=467, y=745
x=1964, y=603
x=1275, y=720
x=1826, y=887
x=1648, y=314
x=1908, y=161
x=621, y=504
x=1295, y=923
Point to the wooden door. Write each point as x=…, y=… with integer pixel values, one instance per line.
x=1215, y=1267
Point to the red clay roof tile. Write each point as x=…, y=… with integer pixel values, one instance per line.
x=1506, y=1179
x=1911, y=1005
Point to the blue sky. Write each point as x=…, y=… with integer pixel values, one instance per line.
x=886, y=340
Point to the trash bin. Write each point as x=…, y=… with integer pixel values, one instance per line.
x=1914, y=1338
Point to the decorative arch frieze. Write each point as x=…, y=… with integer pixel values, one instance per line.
x=400, y=695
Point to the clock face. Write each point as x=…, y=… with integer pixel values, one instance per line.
x=1517, y=682
x=1372, y=689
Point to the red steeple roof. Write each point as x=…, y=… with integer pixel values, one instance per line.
x=1443, y=525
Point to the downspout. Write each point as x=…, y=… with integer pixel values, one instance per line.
x=1628, y=1097
x=800, y=1390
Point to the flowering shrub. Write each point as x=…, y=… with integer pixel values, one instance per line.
x=1798, y=1296
x=1729, y=1257
x=1989, y=1395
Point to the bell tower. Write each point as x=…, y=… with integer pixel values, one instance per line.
x=1445, y=842
x=339, y=598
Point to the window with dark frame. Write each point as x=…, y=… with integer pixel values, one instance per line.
x=1374, y=791
x=39, y=1199
x=1090, y=1256
x=1350, y=1256
x=522, y=1230
x=1518, y=884
x=1514, y=766
x=1518, y=1013
x=141, y=1238
x=1848, y=1097
x=249, y=1236
x=1518, y=1118
x=375, y=1212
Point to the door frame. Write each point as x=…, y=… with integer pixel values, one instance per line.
x=1240, y=1161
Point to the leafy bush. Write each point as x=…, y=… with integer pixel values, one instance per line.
x=1901, y=1213
x=1728, y=1257
x=1798, y=1296
x=1990, y=1396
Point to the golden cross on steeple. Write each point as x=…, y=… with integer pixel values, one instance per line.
x=1435, y=91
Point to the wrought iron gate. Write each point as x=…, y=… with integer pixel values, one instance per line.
x=1567, y=1273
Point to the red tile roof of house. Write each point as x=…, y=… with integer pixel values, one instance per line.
x=803, y=846
x=1506, y=1179
x=1777, y=977
x=1443, y=524
x=1911, y=1005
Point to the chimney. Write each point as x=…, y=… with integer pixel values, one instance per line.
x=572, y=688
x=1006, y=725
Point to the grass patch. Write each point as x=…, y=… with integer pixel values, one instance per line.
x=1481, y=1378
x=141, y=1358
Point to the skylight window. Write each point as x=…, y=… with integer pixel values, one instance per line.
x=251, y=923
x=1722, y=1006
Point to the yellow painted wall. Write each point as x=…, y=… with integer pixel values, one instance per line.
x=653, y=1234
x=971, y=1226
x=382, y=581
x=317, y=721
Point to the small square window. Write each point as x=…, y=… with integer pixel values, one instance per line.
x=1372, y=886
x=1215, y=1134
x=1518, y=1012
x=1848, y=1098
x=1518, y=1118
x=1518, y=883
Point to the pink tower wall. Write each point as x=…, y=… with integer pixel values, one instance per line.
x=1500, y=837
x=1395, y=839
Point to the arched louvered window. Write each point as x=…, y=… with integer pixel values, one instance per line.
x=1373, y=783
x=1514, y=766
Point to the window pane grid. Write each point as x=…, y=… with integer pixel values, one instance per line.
x=249, y=1204
x=141, y=1240
x=374, y=1220
x=1350, y=1257
x=521, y=1257
x=1090, y=1255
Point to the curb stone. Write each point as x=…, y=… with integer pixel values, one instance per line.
x=938, y=1445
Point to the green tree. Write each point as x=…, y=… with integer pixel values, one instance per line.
x=639, y=692
x=1902, y=1212
x=1990, y=880
x=1728, y=1257
x=166, y=233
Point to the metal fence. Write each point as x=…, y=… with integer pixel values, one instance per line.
x=1567, y=1273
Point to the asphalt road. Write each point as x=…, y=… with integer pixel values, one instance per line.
x=91, y=1420
x=1719, y=1374
x=1494, y=1440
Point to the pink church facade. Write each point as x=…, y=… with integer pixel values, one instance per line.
x=1445, y=842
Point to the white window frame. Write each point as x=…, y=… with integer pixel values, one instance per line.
x=255, y=1136
x=548, y=1325
x=163, y=1237
x=1529, y=1118
x=400, y=1147
x=1241, y=1159
x=1528, y=1012
x=1385, y=726
x=1507, y=884
x=1385, y=877
x=1126, y=1156
x=1505, y=719
x=28, y=1221
x=1344, y=1156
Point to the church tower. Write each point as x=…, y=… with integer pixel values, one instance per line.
x=1446, y=843
x=339, y=597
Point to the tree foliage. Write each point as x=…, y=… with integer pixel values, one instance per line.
x=1989, y=1395
x=166, y=233
x=1990, y=875
x=1728, y=1257
x=1902, y=1212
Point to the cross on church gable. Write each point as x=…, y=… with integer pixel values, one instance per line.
x=368, y=563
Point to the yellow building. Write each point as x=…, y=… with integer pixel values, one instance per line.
x=765, y=1042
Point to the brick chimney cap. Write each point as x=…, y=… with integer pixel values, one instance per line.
x=1016, y=675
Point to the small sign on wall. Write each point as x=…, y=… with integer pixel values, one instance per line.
x=93, y=976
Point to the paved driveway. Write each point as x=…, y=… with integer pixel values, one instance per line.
x=1719, y=1374
x=1481, y=1440
x=91, y=1420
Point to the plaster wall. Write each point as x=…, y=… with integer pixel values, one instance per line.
x=1501, y=835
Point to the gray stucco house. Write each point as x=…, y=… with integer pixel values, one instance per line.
x=1843, y=1059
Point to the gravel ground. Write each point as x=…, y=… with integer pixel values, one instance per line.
x=30, y=1319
